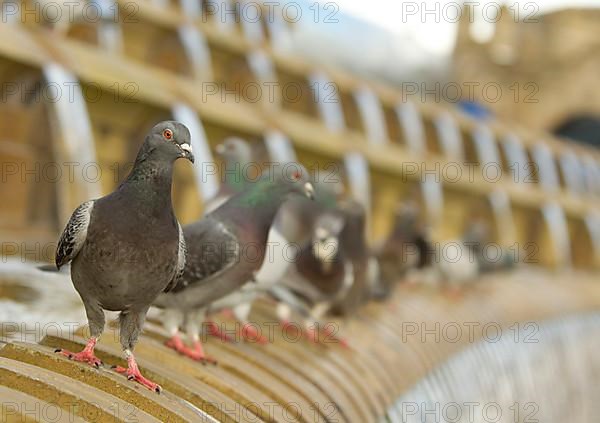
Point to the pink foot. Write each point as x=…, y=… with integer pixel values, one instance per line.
x=196, y=354
x=312, y=334
x=454, y=294
x=133, y=373
x=249, y=333
x=228, y=313
x=290, y=328
x=215, y=330
x=85, y=356
x=330, y=334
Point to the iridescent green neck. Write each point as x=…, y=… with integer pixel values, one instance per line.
x=261, y=194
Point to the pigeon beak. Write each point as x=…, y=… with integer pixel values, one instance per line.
x=309, y=190
x=187, y=151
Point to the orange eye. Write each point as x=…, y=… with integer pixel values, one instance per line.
x=296, y=176
x=168, y=134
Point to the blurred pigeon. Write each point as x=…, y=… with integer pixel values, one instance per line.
x=461, y=261
x=354, y=241
x=406, y=248
x=490, y=257
x=237, y=155
x=296, y=216
x=321, y=276
x=128, y=247
x=225, y=249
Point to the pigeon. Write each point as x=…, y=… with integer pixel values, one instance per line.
x=127, y=247
x=406, y=248
x=237, y=156
x=459, y=262
x=296, y=216
x=225, y=249
x=364, y=264
x=490, y=257
x=320, y=276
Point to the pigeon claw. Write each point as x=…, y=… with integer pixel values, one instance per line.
x=330, y=335
x=249, y=333
x=84, y=356
x=133, y=374
x=215, y=330
x=196, y=353
x=325, y=335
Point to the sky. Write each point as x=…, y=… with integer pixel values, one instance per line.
x=398, y=40
x=435, y=32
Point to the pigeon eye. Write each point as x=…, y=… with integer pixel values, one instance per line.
x=296, y=176
x=168, y=134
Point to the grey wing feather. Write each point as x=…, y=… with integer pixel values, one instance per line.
x=215, y=249
x=74, y=235
x=181, y=259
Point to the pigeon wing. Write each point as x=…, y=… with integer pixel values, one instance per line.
x=74, y=235
x=213, y=250
x=181, y=258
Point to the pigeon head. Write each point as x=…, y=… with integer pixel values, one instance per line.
x=294, y=179
x=325, y=237
x=477, y=235
x=169, y=140
x=274, y=189
x=234, y=150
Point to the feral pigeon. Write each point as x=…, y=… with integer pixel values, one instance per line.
x=459, y=262
x=405, y=249
x=295, y=218
x=225, y=249
x=320, y=276
x=354, y=241
x=237, y=158
x=128, y=247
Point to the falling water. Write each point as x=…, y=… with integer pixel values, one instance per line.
x=412, y=125
x=206, y=182
x=549, y=376
x=73, y=128
x=372, y=115
x=449, y=136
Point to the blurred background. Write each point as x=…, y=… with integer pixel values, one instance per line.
x=486, y=110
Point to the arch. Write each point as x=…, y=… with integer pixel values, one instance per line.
x=516, y=158
x=359, y=181
x=411, y=123
x=28, y=149
x=592, y=222
x=556, y=224
x=328, y=102
x=572, y=172
x=584, y=128
x=207, y=183
x=73, y=129
x=371, y=112
x=280, y=147
x=544, y=160
x=159, y=45
x=264, y=71
x=485, y=146
x=197, y=51
x=503, y=217
x=449, y=136
x=253, y=29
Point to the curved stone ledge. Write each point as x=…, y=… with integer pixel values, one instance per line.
x=396, y=349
